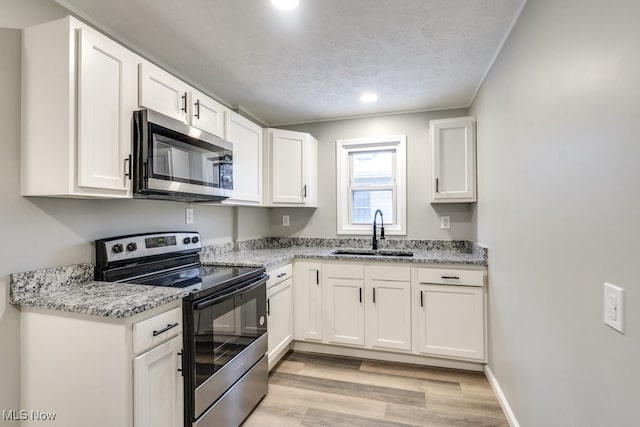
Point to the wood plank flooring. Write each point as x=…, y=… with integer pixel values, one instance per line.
x=307, y=389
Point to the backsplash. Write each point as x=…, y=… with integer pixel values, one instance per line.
x=31, y=282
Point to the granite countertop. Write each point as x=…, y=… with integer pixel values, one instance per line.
x=271, y=257
x=71, y=289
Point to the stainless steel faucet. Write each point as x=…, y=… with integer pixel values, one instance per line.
x=375, y=241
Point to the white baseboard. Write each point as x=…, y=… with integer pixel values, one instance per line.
x=502, y=399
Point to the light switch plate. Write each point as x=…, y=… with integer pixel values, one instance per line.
x=614, y=306
x=445, y=222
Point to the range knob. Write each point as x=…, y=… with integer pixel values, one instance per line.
x=132, y=246
x=195, y=239
x=118, y=248
x=186, y=240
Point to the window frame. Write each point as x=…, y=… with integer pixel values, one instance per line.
x=343, y=183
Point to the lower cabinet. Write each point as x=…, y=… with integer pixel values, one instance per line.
x=103, y=371
x=157, y=386
x=421, y=311
x=450, y=321
x=279, y=320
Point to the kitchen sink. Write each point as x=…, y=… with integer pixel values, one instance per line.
x=371, y=252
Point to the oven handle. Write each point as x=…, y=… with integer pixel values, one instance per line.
x=208, y=302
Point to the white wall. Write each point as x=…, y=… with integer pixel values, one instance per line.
x=45, y=232
x=559, y=208
x=422, y=218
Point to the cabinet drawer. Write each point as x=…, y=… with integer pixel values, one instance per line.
x=143, y=331
x=450, y=277
x=385, y=272
x=344, y=271
x=279, y=274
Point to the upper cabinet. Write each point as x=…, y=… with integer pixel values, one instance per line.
x=246, y=138
x=79, y=93
x=166, y=94
x=292, y=168
x=453, y=145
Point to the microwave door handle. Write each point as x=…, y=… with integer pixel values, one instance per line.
x=208, y=302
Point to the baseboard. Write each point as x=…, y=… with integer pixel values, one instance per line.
x=506, y=408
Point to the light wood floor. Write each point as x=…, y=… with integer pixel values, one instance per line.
x=308, y=389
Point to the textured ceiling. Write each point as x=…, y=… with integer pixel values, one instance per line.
x=314, y=62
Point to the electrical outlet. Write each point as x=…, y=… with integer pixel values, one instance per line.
x=445, y=222
x=189, y=216
x=285, y=220
x=614, y=306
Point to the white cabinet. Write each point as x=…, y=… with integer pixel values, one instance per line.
x=79, y=93
x=103, y=371
x=292, y=168
x=453, y=154
x=246, y=138
x=449, y=319
x=207, y=114
x=279, y=319
x=307, y=295
x=157, y=386
x=344, y=304
x=163, y=92
x=388, y=307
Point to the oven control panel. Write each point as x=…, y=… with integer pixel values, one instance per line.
x=144, y=245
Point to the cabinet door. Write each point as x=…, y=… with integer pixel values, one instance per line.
x=307, y=291
x=310, y=185
x=207, y=114
x=162, y=92
x=287, y=167
x=246, y=138
x=157, y=386
x=450, y=320
x=388, y=307
x=454, y=160
x=344, y=308
x=279, y=320
x=106, y=100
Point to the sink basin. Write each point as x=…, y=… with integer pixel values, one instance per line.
x=370, y=252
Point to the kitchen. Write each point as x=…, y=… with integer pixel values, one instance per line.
x=559, y=99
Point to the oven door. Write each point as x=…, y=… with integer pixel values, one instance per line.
x=228, y=336
x=179, y=162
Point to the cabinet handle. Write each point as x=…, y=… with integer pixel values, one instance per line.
x=304, y=191
x=165, y=329
x=421, y=300
x=318, y=277
x=197, y=109
x=374, y=295
x=450, y=277
x=127, y=167
x=281, y=275
x=437, y=185
x=184, y=102
x=268, y=307
x=180, y=363
x=360, y=294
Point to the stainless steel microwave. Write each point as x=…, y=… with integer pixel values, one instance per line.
x=174, y=161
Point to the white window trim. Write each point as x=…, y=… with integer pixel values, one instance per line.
x=343, y=148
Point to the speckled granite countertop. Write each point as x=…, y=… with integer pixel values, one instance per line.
x=271, y=257
x=72, y=289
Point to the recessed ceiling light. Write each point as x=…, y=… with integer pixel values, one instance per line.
x=285, y=4
x=369, y=97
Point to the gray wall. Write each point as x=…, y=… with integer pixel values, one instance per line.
x=44, y=232
x=422, y=218
x=559, y=188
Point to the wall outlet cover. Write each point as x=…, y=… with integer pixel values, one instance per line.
x=285, y=220
x=189, y=216
x=445, y=222
x=614, y=306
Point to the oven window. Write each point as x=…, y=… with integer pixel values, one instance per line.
x=225, y=329
x=187, y=160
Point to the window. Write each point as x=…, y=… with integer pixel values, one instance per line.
x=371, y=176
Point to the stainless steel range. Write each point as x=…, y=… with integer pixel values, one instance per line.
x=224, y=317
